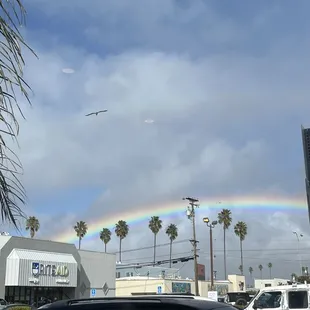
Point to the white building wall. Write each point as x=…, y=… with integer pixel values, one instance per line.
x=12, y=264
x=23, y=260
x=143, y=285
x=237, y=281
x=4, y=240
x=262, y=283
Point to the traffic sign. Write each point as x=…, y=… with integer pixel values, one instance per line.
x=93, y=292
x=159, y=289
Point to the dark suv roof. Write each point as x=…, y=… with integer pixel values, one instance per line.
x=139, y=303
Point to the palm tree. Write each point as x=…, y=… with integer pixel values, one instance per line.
x=294, y=276
x=241, y=269
x=33, y=225
x=251, y=271
x=121, y=231
x=12, y=192
x=172, y=232
x=241, y=230
x=269, y=266
x=260, y=267
x=81, y=230
x=105, y=236
x=155, y=225
x=224, y=218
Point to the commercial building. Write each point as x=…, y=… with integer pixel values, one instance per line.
x=305, y=133
x=261, y=283
x=31, y=269
x=135, y=285
x=148, y=271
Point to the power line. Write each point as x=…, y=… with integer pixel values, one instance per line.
x=157, y=263
x=163, y=255
x=269, y=256
x=262, y=250
x=215, y=250
x=151, y=246
x=271, y=253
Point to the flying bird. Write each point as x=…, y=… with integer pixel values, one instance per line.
x=96, y=113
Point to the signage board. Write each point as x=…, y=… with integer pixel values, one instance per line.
x=50, y=270
x=93, y=292
x=212, y=295
x=159, y=289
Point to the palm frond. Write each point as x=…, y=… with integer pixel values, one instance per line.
x=12, y=192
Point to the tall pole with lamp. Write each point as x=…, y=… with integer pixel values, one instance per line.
x=211, y=225
x=298, y=236
x=193, y=204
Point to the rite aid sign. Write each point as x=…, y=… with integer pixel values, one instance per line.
x=39, y=269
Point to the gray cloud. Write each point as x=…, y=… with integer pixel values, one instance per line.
x=224, y=124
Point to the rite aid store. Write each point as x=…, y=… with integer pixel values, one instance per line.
x=32, y=269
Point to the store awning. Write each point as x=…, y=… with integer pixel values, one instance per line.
x=29, y=267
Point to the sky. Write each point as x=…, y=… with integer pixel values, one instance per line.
x=226, y=83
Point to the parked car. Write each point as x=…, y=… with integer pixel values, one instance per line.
x=150, y=302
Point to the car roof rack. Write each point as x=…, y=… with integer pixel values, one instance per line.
x=154, y=297
x=178, y=294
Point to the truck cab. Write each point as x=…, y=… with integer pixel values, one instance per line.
x=285, y=297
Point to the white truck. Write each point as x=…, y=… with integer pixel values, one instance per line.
x=284, y=297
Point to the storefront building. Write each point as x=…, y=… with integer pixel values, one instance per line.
x=32, y=269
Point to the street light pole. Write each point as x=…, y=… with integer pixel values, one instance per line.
x=193, y=204
x=211, y=225
x=298, y=249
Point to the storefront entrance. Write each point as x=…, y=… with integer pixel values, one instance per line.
x=33, y=295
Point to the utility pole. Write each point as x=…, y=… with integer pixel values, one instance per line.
x=211, y=225
x=298, y=251
x=193, y=204
x=211, y=258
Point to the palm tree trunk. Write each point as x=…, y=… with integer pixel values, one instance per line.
x=120, y=249
x=269, y=273
x=241, y=256
x=261, y=274
x=154, y=250
x=170, y=253
x=105, y=248
x=225, y=271
x=80, y=239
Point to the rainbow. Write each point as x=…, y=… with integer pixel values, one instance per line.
x=166, y=210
